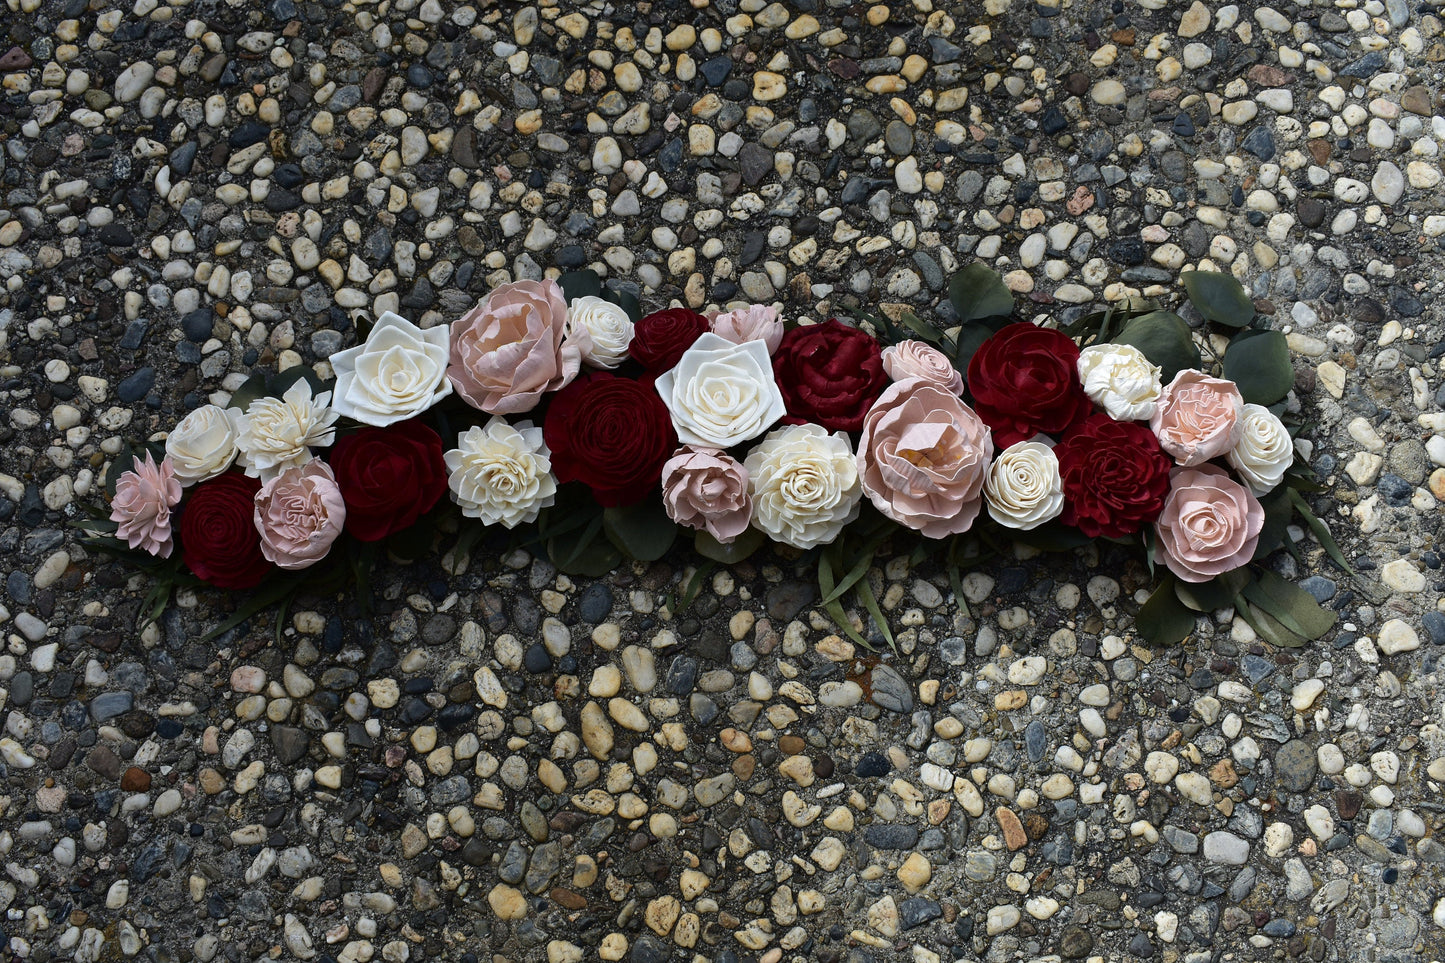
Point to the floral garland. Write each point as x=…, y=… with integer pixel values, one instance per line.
x=556, y=405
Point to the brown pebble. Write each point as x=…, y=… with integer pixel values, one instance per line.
x=1013, y=830
x=135, y=779
x=1222, y=774
x=1267, y=75
x=1348, y=803
x=568, y=899
x=791, y=745
x=743, y=766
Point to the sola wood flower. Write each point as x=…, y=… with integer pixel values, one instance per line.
x=1264, y=451
x=919, y=359
x=759, y=322
x=707, y=489
x=202, y=444
x=397, y=374
x=804, y=485
x=144, y=497
x=515, y=347
x=606, y=325
x=1119, y=379
x=1198, y=417
x=721, y=394
x=1023, y=488
x=299, y=513
x=501, y=473
x=275, y=434
x=1210, y=524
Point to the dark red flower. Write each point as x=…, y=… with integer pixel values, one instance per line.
x=829, y=374
x=612, y=434
x=1115, y=476
x=659, y=339
x=389, y=477
x=219, y=540
x=1024, y=381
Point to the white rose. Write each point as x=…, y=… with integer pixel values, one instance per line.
x=274, y=434
x=1265, y=450
x=1119, y=379
x=1023, y=488
x=804, y=485
x=203, y=444
x=398, y=373
x=721, y=394
x=501, y=474
x=609, y=326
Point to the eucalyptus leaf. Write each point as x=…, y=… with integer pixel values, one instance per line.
x=1258, y=361
x=1219, y=297
x=642, y=531
x=254, y=387
x=627, y=301
x=1217, y=593
x=977, y=292
x=1164, y=620
x=1290, y=605
x=580, y=284
x=967, y=340
x=748, y=542
x=1164, y=338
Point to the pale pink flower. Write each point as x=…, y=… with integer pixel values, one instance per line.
x=758, y=322
x=299, y=513
x=1198, y=417
x=919, y=359
x=144, y=497
x=515, y=347
x=1210, y=524
x=707, y=489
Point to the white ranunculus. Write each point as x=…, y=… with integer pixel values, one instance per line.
x=398, y=373
x=1119, y=379
x=203, y=444
x=804, y=485
x=1023, y=489
x=721, y=394
x=1264, y=452
x=274, y=434
x=501, y=473
x=609, y=326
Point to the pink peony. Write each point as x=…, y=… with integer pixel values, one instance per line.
x=1198, y=417
x=299, y=513
x=759, y=322
x=514, y=347
x=1210, y=524
x=919, y=359
x=144, y=497
x=707, y=489
x=923, y=458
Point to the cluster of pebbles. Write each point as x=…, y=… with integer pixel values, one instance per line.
x=499, y=762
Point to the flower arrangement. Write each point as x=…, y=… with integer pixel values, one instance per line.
x=555, y=406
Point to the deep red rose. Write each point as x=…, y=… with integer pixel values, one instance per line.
x=612, y=434
x=659, y=339
x=1115, y=476
x=389, y=477
x=1025, y=380
x=829, y=374
x=219, y=541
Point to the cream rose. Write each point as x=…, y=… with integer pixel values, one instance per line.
x=721, y=394
x=607, y=325
x=1265, y=450
x=758, y=322
x=397, y=374
x=1210, y=524
x=804, y=485
x=1023, y=489
x=202, y=444
x=299, y=514
x=274, y=434
x=501, y=473
x=919, y=359
x=1119, y=379
x=515, y=347
x=1197, y=417
x=707, y=489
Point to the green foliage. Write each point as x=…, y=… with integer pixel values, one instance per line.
x=1164, y=619
x=1219, y=297
x=587, y=283
x=1258, y=361
x=733, y=552
x=977, y=292
x=642, y=531
x=1164, y=338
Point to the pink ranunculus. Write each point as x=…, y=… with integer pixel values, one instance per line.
x=1210, y=524
x=758, y=322
x=919, y=359
x=144, y=497
x=923, y=458
x=514, y=347
x=299, y=513
x=1198, y=417
x=707, y=489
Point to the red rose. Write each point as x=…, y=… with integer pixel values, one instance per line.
x=389, y=477
x=612, y=434
x=219, y=540
x=659, y=339
x=829, y=374
x=1025, y=380
x=1115, y=476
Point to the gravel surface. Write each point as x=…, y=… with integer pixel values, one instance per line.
x=504, y=763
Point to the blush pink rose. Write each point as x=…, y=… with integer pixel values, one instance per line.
x=758, y=322
x=514, y=347
x=299, y=513
x=1210, y=524
x=923, y=458
x=707, y=489
x=919, y=359
x=144, y=497
x=1198, y=417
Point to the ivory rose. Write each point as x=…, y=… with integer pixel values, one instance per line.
x=1264, y=451
x=1023, y=488
x=707, y=489
x=1210, y=524
x=202, y=444
x=758, y=322
x=299, y=514
x=804, y=485
x=399, y=372
x=923, y=456
x=515, y=347
x=1119, y=379
x=501, y=473
x=919, y=359
x=606, y=325
x=1197, y=417
x=721, y=394
x=274, y=434
x=144, y=497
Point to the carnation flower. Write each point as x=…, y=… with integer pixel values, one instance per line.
x=1264, y=451
x=1119, y=379
x=399, y=372
x=274, y=434
x=707, y=489
x=501, y=473
x=299, y=514
x=1023, y=488
x=804, y=485
x=202, y=444
x=144, y=497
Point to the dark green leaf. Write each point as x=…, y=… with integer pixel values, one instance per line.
x=1258, y=361
x=266, y=595
x=627, y=301
x=1277, y=514
x=414, y=542
x=580, y=284
x=977, y=292
x=863, y=558
x=1267, y=627
x=1218, y=593
x=870, y=602
x=1164, y=620
x=1219, y=297
x=584, y=551
x=923, y=329
x=284, y=381
x=969, y=338
x=679, y=603
x=748, y=542
x=1052, y=537
x=642, y=531
x=1320, y=530
x=1163, y=338
x=1288, y=604
x=253, y=388
x=123, y=462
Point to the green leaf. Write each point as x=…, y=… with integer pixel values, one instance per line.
x=748, y=542
x=1288, y=604
x=1164, y=339
x=253, y=388
x=123, y=462
x=265, y=596
x=678, y=604
x=870, y=602
x=1320, y=530
x=1219, y=297
x=977, y=292
x=1164, y=620
x=579, y=284
x=1052, y=537
x=284, y=381
x=1218, y=593
x=923, y=329
x=1277, y=514
x=642, y=531
x=855, y=573
x=625, y=300
x=1258, y=361
x=583, y=552
x=967, y=341
x=1267, y=627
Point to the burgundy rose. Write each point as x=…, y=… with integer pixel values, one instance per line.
x=659, y=339
x=1025, y=380
x=1115, y=476
x=612, y=434
x=830, y=375
x=219, y=540
x=389, y=477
